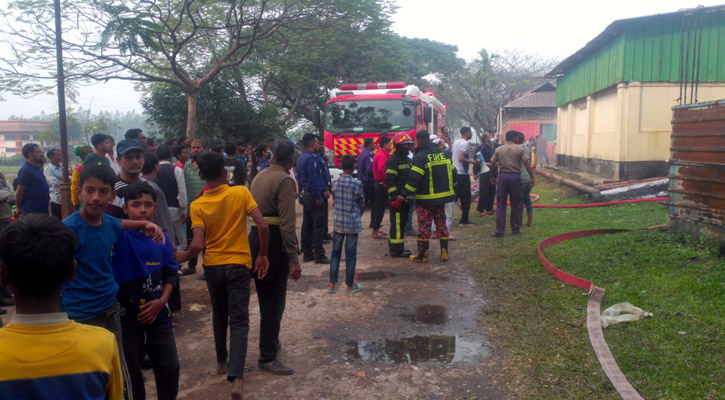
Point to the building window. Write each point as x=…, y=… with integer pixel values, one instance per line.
x=36, y=137
x=26, y=137
x=9, y=137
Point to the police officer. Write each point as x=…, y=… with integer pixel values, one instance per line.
x=396, y=176
x=313, y=195
x=431, y=182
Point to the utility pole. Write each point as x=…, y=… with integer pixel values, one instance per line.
x=65, y=200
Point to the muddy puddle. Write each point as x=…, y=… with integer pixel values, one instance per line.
x=368, y=275
x=444, y=349
x=430, y=314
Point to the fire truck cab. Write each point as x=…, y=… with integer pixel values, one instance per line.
x=357, y=111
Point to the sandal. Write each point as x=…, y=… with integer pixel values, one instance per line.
x=381, y=235
x=334, y=289
x=187, y=271
x=358, y=287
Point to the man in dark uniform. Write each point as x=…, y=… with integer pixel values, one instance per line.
x=396, y=176
x=431, y=182
x=327, y=178
x=313, y=193
x=274, y=192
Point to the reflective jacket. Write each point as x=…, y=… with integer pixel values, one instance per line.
x=431, y=177
x=397, y=170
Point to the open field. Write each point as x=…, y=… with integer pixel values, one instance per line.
x=540, y=323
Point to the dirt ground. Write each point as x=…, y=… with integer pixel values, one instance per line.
x=414, y=332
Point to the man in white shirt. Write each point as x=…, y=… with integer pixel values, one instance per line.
x=461, y=155
x=172, y=183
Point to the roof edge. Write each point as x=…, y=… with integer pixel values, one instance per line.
x=612, y=31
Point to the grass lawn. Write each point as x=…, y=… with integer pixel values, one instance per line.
x=540, y=323
x=9, y=172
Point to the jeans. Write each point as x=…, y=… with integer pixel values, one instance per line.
x=464, y=193
x=314, y=220
x=381, y=199
x=350, y=256
x=509, y=187
x=111, y=321
x=229, y=292
x=160, y=345
x=271, y=291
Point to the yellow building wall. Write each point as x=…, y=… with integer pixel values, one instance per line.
x=629, y=122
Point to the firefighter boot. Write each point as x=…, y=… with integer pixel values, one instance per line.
x=422, y=256
x=444, y=249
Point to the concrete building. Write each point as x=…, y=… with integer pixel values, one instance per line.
x=15, y=134
x=615, y=95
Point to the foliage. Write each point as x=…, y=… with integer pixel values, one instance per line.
x=288, y=74
x=223, y=115
x=476, y=92
x=184, y=44
x=540, y=323
x=83, y=123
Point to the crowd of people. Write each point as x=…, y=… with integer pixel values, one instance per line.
x=146, y=211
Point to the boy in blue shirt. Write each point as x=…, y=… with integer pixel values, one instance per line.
x=146, y=274
x=90, y=298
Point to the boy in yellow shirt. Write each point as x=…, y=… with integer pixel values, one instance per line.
x=219, y=225
x=43, y=354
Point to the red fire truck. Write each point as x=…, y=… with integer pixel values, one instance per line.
x=357, y=111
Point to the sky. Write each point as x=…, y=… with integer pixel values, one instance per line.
x=551, y=29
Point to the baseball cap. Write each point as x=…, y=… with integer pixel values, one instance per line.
x=126, y=145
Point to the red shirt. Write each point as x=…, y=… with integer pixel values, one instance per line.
x=179, y=164
x=379, y=160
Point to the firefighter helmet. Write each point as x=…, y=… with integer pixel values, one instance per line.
x=402, y=138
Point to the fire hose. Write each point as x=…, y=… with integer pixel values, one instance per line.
x=594, y=325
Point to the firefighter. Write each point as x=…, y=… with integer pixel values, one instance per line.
x=397, y=170
x=431, y=182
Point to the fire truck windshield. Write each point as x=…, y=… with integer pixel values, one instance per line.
x=369, y=116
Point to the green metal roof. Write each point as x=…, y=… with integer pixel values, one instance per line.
x=647, y=49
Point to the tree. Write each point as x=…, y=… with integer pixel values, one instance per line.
x=52, y=136
x=296, y=67
x=223, y=115
x=476, y=92
x=185, y=44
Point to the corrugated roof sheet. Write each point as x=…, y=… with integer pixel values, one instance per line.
x=611, y=32
x=534, y=100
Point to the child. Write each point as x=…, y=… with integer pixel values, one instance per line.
x=90, y=297
x=43, y=354
x=227, y=261
x=146, y=274
x=349, y=203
